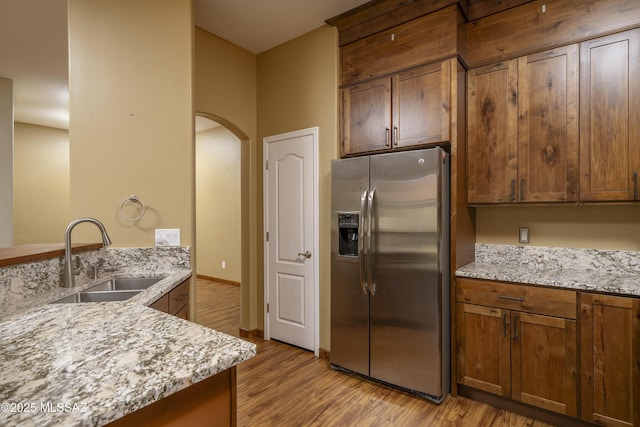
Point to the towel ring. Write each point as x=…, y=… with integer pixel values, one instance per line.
x=132, y=199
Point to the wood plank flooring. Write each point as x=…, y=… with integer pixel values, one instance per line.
x=287, y=386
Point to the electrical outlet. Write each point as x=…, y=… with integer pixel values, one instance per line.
x=224, y=264
x=524, y=235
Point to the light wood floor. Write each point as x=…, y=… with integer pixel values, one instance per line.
x=287, y=386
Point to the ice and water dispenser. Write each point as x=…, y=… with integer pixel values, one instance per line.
x=348, y=233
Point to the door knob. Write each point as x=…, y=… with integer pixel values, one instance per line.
x=306, y=254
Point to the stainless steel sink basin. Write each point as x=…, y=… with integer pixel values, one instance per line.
x=98, y=296
x=125, y=284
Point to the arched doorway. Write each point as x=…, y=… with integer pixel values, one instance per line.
x=227, y=132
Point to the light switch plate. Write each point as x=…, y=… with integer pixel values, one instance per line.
x=167, y=237
x=524, y=235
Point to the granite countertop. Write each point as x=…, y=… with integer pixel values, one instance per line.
x=87, y=364
x=613, y=272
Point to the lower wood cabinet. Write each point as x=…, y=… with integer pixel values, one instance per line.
x=208, y=403
x=610, y=359
x=175, y=302
x=518, y=342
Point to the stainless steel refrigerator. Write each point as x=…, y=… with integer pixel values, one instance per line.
x=390, y=269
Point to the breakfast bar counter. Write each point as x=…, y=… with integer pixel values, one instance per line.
x=91, y=364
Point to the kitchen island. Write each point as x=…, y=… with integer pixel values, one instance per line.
x=90, y=364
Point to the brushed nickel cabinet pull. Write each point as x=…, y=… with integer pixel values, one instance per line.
x=504, y=325
x=515, y=327
x=511, y=298
x=396, y=136
x=522, y=189
x=513, y=190
x=387, y=143
x=635, y=185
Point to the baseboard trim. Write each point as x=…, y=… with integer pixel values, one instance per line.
x=520, y=408
x=253, y=333
x=324, y=354
x=217, y=279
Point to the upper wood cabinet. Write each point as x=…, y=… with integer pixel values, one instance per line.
x=610, y=359
x=523, y=129
x=492, y=123
x=610, y=117
x=409, y=108
x=425, y=39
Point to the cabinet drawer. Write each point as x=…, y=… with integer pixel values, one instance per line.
x=425, y=39
x=183, y=313
x=178, y=297
x=162, y=304
x=531, y=299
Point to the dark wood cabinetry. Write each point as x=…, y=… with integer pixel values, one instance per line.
x=610, y=359
x=406, y=109
x=523, y=129
x=492, y=123
x=428, y=38
x=518, y=342
x=610, y=118
x=175, y=302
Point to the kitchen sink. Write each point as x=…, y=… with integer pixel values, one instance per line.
x=126, y=284
x=98, y=296
x=119, y=289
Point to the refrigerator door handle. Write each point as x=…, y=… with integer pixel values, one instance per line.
x=361, y=243
x=369, y=249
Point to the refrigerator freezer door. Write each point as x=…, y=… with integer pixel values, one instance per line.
x=406, y=324
x=349, y=297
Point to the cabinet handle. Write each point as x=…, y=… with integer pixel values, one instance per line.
x=395, y=136
x=387, y=143
x=181, y=297
x=504, y=325
x=522, y=189
x=635, y=185
x=513, y=190
x=511, y=298
x=515, y=327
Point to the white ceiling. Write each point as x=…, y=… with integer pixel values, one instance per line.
x=33, y=42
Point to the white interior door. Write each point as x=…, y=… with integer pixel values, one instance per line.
x=291, y=292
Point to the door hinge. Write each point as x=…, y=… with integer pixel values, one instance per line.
x=266, y=164
x=267, y=307
x=267, y=236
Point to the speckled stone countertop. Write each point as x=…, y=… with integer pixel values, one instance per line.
x=613, y=272
x=87, y=364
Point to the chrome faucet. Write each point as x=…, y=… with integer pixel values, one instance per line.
x=69, y=279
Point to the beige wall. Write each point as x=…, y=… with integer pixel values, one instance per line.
x=41, y=184
x=598, y=227
x=298, y=89
x=6, y=162
x=131, y=116
x=218, y=203
x=225, y=90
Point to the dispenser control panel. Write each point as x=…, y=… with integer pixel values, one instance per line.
x=348, y=223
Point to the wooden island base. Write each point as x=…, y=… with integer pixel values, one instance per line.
x=209, y=403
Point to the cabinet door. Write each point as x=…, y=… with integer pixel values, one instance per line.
x=366, y=117
x=492, y=141
x=543, y=362
x=484, y=348
x=610, y=359
x=421, y=99
x=548, y=126
x=610, y=117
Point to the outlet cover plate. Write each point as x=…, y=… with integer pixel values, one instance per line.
x=167, y=237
